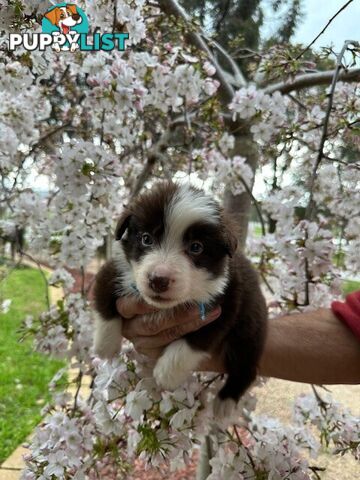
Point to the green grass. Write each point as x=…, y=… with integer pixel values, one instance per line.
x=257, y=231
x=350, y=286
x=24, y=375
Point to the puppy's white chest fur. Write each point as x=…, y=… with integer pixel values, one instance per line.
x=176, y=363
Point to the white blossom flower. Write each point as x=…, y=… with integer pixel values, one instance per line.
x=136, y=403
x=5, y=305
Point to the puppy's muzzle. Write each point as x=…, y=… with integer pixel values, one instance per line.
x=76, y=17
x=158, y=284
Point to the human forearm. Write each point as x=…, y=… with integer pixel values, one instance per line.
x=313, y=347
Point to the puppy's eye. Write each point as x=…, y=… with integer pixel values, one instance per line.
x=196, y=248
x=146, y=239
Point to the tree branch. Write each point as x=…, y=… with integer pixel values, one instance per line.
x=153, y=155
x=323, y=30
x=35, y=146
x=32, y=259
x=238, y=80
x=172, y=7
x=310, y=206
x=313, y=79
x=256, y=204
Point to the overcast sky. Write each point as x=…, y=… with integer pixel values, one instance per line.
x=346, y=26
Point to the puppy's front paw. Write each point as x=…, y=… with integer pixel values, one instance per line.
x=108, y=351
x=176, y=363
x=108, y=339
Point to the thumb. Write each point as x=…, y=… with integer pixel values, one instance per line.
x=130, y=306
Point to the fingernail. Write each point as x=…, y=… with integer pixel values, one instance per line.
x=213, y=314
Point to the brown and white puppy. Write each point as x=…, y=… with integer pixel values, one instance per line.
x=178, y=247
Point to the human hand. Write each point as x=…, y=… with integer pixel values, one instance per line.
x=150, y=338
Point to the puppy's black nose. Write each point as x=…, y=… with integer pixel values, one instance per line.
x=76, y=17
x=158, y=284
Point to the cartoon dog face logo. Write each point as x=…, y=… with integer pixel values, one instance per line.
x=64, y=18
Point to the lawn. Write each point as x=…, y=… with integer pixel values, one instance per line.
x=350, y=286
x=24, y=375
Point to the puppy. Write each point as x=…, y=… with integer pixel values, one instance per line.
x=64, y=18
x=178, y=248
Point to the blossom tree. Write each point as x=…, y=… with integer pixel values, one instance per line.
x=101, y=126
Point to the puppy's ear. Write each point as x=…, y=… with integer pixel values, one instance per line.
x=231, y=231
x=72, y=9
x=122, y=225
x=53, y=15
x=231, y=243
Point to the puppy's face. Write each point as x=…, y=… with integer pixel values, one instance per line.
x=176, y=241
x=64, y=17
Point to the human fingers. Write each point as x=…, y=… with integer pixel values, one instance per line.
x=153, y=353
x=195, y=323
x=143, y=340
x=128, y=307
x=142, y=325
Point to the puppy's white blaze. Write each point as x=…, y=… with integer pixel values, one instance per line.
x=187, y=207
x=176, y=363
x=179, y=269
x=107, y=338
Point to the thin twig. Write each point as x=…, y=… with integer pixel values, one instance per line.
x=256, y=203
x=35, y=146
x=38, y=264
x=244, y=446
x=323, y=30
x=102, y=126
x=82, y=281
x=226, y=9
x=308, y=277
x=114, y=18
x=238, y=75
x=310, y=205
x=46, y=136
x=155, y=153
x=322, y=404
x=88, y=288
x=79, y=384
x=267, y=284
x=172, y=7
x=297, y=101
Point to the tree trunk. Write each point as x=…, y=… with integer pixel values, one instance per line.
x=240, y=205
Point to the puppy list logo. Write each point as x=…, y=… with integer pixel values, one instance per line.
x=65, y=27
